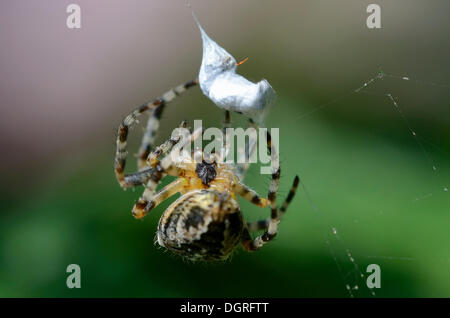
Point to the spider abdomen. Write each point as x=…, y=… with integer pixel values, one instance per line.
x=201, y=225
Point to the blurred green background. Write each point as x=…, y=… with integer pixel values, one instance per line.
x=63, y=93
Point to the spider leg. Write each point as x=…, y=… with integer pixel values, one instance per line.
x=264, y=224
x=148, y=201
x=226, y=122
x=225, y=125
x=152, y=158
x=143, y=176
x=124, y=127
x=272, y=229
x=153, y=123
x=166, y=166
x=138, y=178
x=244, y=155
x=149, y=136
x=250, y=195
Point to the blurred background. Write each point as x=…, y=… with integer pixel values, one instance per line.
x=373, y=192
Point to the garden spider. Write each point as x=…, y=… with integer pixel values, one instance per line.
x=205, y=223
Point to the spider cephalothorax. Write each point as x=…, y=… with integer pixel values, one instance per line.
x=206, y=172
x=205, y=223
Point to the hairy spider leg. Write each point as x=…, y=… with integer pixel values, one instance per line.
x=244, y=155
x=263, y=224
x=153, y=122
x=164, y=167
x=131, y=180
x=254, y=244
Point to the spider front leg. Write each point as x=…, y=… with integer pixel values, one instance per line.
x=143, y=176
x=245, y=154
x=148, y=201
x=153, y=123
x=166, y=166
x=138, y=178
x=152, y=158
x=252, y=196
x=263, y=224
x=157, y=105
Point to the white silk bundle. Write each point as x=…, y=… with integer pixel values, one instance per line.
x=220, y=83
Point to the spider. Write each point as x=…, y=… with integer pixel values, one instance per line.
x=205, y=223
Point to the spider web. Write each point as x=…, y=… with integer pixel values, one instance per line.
x=352, y=275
